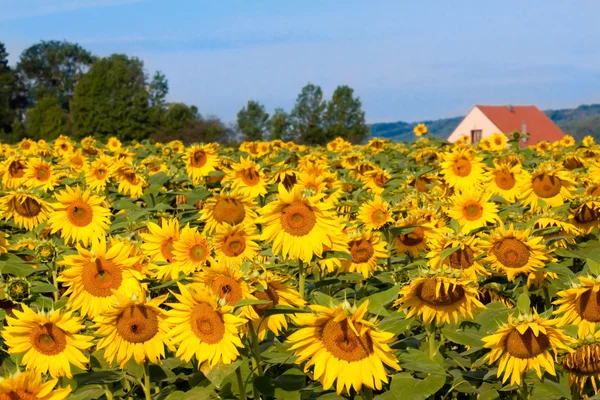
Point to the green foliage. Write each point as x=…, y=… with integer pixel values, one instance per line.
x=205, y=130
x=112, y=100
x=280, y=125
x=344, y=116
x=253, y=121
x=47, y=120
x=307, y=116
x=7, y=92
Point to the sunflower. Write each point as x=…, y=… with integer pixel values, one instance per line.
x=79, y=216
x=584, y=363
x=75, y=163
x=343, y=346
x=133, y=327
x=461, y=169
x=3, y=242
x=586, y=216
x=329, y=262
x=415, y=235
x=553, y=227
x=573, y=161
x=375, y=180
x=235, y=244
x=93, y=275
x=113, y=144
x=131, y=181
x=523, y=344
x=50, y=342
x=225, y=283
x=375, y=214
x=515, y=252
x=200, y=161
x=158, y=245
x=505, y=180
x=566, y=141
x=473, y=209
x=272, y=288
x=298, y=226
x=312, y=184
x=440, y=298
x=465, y=259
x=580, y=305
x=420, y=130
x=40, y=173
x=201, y=328
x=227, y=209
x=27, y=210
x=191, y=252
x=548, y=186
x=366, y=248
x=247, y=178
x=99, y=173
x=12, y=172
x=498, y=141
x=28, y=386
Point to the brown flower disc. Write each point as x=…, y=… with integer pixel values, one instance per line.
x=227, y=288
x=48, y=339
x=230, y=211
x=80, y=214
x=586, y=214
x=504, y=180
x=207, y=324
x=166, y=248
x=413, y=238
x=298, y=219
x=100, y=173
x=18, y=394
x=42, y=174
x=421, y=184
x=198, y=159
x=250, y=177
x=100, y=277
x=472, y=210
x=461, y=259
x=28, y=208
x=234, y=245
x=446, y=297
x=341, y=341
x=198, y=252
x=588, y=306
x=16, y=169
x=546, y=186
x=511, y=253
x=132, y=178
x=585, y=361
x=526, y=345
x=137, y=324
x=379, y=179
x=361, y=250
x=269, y=294
x=379, y=216
x=462, y=167
x=572, y=163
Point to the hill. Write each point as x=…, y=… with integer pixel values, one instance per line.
x=578, y=122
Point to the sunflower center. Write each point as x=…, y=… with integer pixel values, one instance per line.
x=43, y=173
x=18, y=394
x=16, y=169
x=361, y=250
x=234, y=245
x=227, y=288
x=100, y=277
x=269, y=294
x=28, y=208
x=504, y=180
x=446, y=296
x=584, y=361
x=341, y=341
x=546, y=186
x=380, y=179
x=298, y=219
x=421, y=184
x=198, y=253
x=137, y=324
x=131, y=177
x=588, y=306
x=379, y=216
x=166, y=248
x=526, y=345
x=48, y=339
x=585, y=214
x=207, y=324
x=230, y=211
x=472, y=210
x=198, y=159
x=413, y=238
x=462, y=167
x=498, y=140
x=100, y=173
x=80, y=214
x=572, y=163
x=250, y=177
x=461, y=259
x=595, y=191
x=512, y=253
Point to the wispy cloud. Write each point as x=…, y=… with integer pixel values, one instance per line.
x=35, y=8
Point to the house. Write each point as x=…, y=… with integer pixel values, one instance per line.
x=482, y=121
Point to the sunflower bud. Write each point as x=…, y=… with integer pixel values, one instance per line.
x=46, y=251
x=18, y=290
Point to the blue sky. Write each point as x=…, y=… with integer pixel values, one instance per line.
x=407, y=60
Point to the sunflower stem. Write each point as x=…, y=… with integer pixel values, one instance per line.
x=147, y=380
x=547, y=300
x=301, y=277
x=255, y=349
x=432, y=341
x=54, y=282
x=367, y=393
x=524, y=389
x=240, y=383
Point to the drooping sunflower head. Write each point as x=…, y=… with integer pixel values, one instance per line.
x=583, y=363
x=12, y=172
x=585, y=213
x=131, y=180
x=556, y=232
x=376, y=179
x=548, y=186
x=526, y=342
x=580, y=305
x=462, y=169
x=227, y=209
x=26, y=209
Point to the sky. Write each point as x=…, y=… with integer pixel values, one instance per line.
x=406, y=60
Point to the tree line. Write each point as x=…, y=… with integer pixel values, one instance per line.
x=58, y=87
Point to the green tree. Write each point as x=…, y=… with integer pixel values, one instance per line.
x=47, y=120
x=112, y=99
x=307, y=116
x=280, y=125
x=53, y=67
x=253, y=121
x=158, y=90
x=177, y=115
x=7, y=92
x=344, y=116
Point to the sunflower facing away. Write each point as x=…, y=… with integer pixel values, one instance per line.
x=440, y=298
x=547, y=186
x=227, y=209
x=27, y=210
x=133, y=327
x=298, y=226
x=79, y=216
x=523, y=344
x=366, y=247
x=584, y=363
x=93, y=275
x=28, y=386
x=375, y=214
x=235, y=244
x=203, y=329
x=462, y=170
x=50, y=342
x=473, y=209
x=580, y=305
x=343, y=346
x=514, y=252
x=190, y=253
x=200, y=161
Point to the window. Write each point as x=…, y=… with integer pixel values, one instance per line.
x=475, y=136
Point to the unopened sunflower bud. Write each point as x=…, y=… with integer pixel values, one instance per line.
x=18, y=290
x=46, y=251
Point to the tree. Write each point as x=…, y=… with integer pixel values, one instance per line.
x=280, y=125
x=159, y=88
x=344, y=116
x=112, y=100
x=207, y=130
x=47, y=120
x=307, y=116
x=53, y=67
x=7, y=92
x=253, y=121
x=177, y=115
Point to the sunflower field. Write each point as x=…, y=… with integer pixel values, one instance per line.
x=389, y=271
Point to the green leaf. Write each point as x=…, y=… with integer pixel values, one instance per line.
x=219, y=372
x=524, y=304
x=324, y=300
x=42, y=287
x=416, y=360
x=158, y=179
x=250, y=302
x=123, y=204
x=467, y=338
x=100, y=377
x=548, y=389
x=87, y=392
x=378, y=301
x=448, y=252
x=405, y=387
x=284, y=310
x=594, y=266
x=397, y=324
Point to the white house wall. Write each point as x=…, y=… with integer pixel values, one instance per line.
x=474, y=120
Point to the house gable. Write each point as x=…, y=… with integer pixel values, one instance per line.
x=475, y=120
